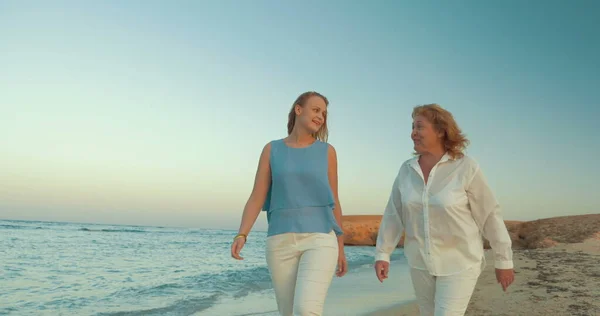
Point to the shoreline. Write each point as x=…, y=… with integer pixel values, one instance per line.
x=561, y=280
x=409, y=308
x=360, y=293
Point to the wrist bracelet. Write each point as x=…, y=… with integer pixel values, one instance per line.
x=240, y=236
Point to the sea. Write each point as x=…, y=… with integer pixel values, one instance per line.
x=58, y=268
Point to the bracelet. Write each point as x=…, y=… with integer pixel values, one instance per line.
x=240, y=236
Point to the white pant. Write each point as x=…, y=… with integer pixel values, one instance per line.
x=302, y=266
x=444, y=295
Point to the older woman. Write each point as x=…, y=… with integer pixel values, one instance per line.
x=442, y=202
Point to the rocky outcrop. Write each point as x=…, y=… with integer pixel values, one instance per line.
x=513, y=231
x=548, y=232
x=361, y=230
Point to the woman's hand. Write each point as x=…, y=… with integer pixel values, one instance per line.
x=382, y=269
x=505, y=277
x=236, y=247
x=342, y=265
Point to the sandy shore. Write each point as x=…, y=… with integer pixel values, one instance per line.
x=562, y=280
x=359, y=292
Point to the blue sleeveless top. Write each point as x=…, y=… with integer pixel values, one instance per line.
x=300, y=199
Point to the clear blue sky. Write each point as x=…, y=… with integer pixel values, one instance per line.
x=155, y=112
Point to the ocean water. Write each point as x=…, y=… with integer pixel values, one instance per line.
x=53, y=268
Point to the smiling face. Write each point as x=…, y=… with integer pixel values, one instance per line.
x=311, y=116
x=435, y=129
x=424, y=135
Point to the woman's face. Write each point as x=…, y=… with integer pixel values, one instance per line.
x=312, y=115
x=424, y=136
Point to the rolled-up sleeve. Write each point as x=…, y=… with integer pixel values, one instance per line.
x=391, y=226
x=488, y=216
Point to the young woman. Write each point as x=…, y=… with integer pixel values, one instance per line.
x=296, y=184
x=442, y=202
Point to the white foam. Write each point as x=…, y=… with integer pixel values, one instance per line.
x=257, y=303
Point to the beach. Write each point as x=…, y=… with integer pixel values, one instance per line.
x=96, y=269
x=360, y=293
x=559, y=280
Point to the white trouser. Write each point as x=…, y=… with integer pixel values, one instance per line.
x=444, y=295
x=302, y=266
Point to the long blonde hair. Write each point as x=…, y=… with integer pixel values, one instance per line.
x=454, y=141
x=323, y=133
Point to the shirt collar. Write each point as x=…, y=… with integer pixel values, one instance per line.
x=415, y=160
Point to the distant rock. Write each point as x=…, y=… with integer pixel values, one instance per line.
x=513, y=228
x=548, y=232
x=361, y=230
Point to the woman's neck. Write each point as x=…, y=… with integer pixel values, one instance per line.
x=300, y=137
x=432, y=157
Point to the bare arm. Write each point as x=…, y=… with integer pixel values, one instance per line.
x=262, y=182
x=333, y=182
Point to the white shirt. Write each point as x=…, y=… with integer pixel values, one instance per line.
x=443, y=220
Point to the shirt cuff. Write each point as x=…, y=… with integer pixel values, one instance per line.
x=503, y=264
x=380, y=256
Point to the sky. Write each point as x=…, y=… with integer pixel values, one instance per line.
x=155, y=112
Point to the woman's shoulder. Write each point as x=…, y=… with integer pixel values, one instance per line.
x=405, y=165
x=326, y=144
x=467, y=161
x=274, y=142
x=268, y=147
x=467, y=165
x=408, y=162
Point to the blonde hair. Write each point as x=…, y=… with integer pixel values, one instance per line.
x=454, y=141
x=323, y=133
